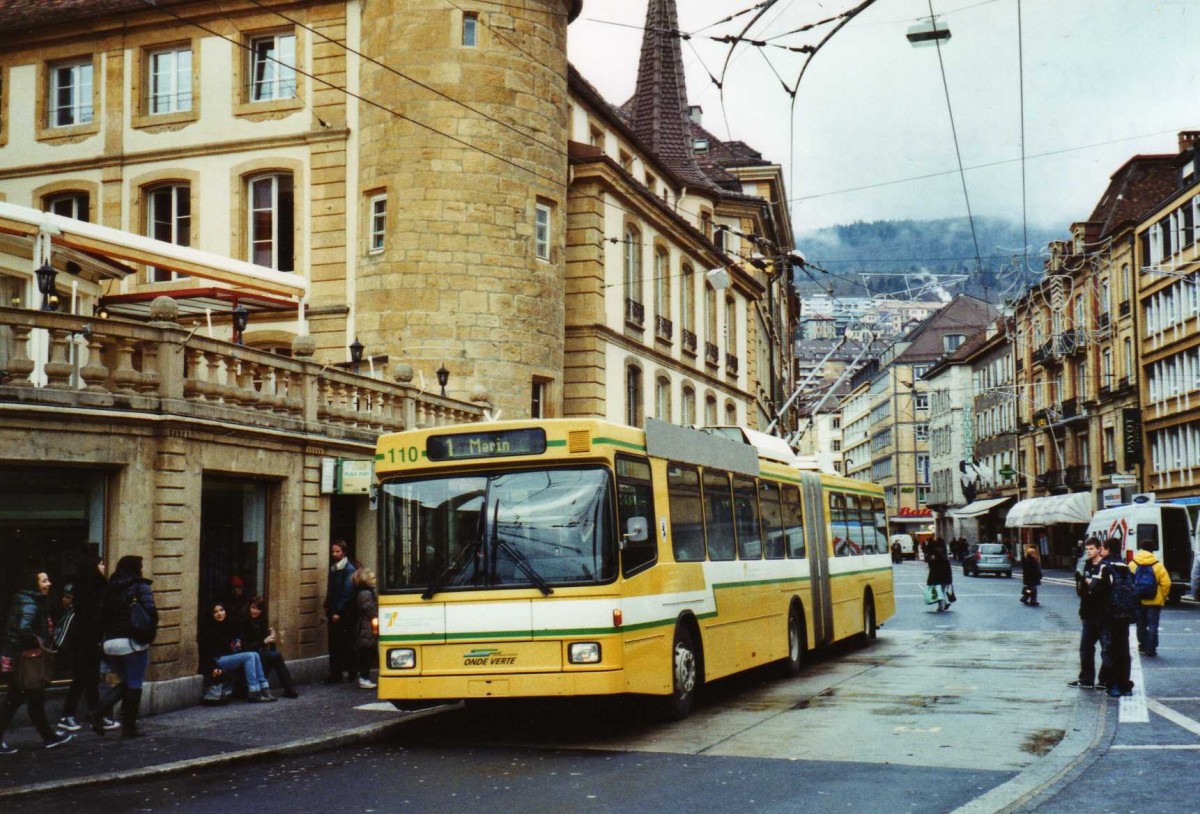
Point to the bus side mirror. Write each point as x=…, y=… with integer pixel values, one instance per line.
x=637, y=530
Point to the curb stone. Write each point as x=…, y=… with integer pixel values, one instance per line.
x=300, y=746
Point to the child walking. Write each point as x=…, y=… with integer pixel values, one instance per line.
x=1031, y=577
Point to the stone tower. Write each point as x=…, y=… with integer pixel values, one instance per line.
x=459, y=282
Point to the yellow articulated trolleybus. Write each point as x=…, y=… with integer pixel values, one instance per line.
x=577, y=557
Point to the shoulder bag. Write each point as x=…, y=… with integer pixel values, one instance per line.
x=35, y=668
x=142, y=623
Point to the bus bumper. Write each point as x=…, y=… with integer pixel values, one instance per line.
x=514, y=685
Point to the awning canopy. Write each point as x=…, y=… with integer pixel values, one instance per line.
x=194, y=302
x=1046, y=511
x=978, y=507
x=927, y=520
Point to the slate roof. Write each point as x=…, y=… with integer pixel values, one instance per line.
x=964, y=314
x=30, y=15
x=658, y=112
x=1134, y=190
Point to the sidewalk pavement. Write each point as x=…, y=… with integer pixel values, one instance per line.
x=323, y=717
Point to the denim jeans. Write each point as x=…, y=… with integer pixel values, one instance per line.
x=250, y=663
x=1091, y=634
x=1147, y=628
x=131, y=668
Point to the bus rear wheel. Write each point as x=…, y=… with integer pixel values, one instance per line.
x=684, y=676
x=870, y=626
x=796, y=643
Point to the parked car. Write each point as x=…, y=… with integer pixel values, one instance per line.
x=987, y=558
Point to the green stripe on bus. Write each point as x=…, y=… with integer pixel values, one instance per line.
x=618, y=443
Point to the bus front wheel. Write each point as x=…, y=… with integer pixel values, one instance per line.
x=684, y=676
x=796, y=646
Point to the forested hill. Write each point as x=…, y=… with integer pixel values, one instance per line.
x=905, y=248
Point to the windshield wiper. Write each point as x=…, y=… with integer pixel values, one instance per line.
x=439, y=581
x=515, y=553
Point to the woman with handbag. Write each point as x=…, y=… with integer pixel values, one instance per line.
x=129, y=621
x=941, y=576
x=27, y=632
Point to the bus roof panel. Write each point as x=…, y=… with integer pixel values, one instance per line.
x=691, y=446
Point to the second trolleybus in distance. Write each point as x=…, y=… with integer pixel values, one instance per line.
x=577, y=557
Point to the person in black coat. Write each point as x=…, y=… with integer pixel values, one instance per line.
x=222, y=654
x=259, y=637
x=80, y=648
x=126, y=649
x=28, y=627
x=339, y=611
x=1031, y=577
x=940, y=574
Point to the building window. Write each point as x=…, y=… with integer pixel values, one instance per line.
x=541, y=231
x=273, y=67
x=730, y=326
x=170, y=88
x=921, y=432
x=688, y=405
x=378, y=223
x=69, y=205
x=921, y=401
x=470, y=30
x=836, y=445
x=272, y=221
x=662, y=399
x=633, y=396
x=71, y=93
x=687, y=315
x=730, y=414
x=662, y=283
x=922, y=468
x=169, y=219
x=633, y=265
x=538, y=400
x=710, y=412
x=951, y=342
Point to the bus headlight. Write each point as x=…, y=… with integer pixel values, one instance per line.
x=583, y=653
x=401, y=658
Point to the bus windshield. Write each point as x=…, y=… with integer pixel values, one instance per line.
x=536, y=527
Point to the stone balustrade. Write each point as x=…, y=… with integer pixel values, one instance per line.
x=163, y=368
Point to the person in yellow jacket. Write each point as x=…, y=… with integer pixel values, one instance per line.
x=1151, y=609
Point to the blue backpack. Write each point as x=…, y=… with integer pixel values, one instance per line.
x=1123, y=600
x=1145, y=581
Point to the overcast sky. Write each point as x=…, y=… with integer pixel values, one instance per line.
x=1103, y=80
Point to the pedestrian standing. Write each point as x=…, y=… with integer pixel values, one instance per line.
x=80, y=649
x=1093, y=611
x=126, y=645
x=1151, y=606
x=940, y=575
x=27, y=632
x=366, y=629
x=1031, y=577
x=1117, y=585
x=339, y=612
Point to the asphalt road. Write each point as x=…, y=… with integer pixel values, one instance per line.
x=954, y=711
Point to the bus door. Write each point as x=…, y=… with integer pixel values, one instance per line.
x=821, y=604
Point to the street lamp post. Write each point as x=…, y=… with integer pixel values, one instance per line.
x=241, y=318
x=45, y=284
x=443, y=376
x=356, y=353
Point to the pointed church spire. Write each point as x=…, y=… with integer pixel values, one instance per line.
x=659, y=108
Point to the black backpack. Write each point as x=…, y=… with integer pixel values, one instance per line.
x=1123, y=600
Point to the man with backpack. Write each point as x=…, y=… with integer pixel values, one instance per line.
x=1153, y=585
x=1117, y=583
x=1093, y=613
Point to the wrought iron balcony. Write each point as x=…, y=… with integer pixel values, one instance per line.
x=712, y=355
x=1051, y=479
x=1079, y=475
x=1123, y=386
x=689, y=341
x=635, y=313
x=663, y=328
x=1108, y=467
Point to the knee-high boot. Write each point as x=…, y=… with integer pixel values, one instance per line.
x=107, y=701
x=131, y=702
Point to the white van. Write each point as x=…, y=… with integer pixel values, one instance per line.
x=908, y=546
x=1166, y=526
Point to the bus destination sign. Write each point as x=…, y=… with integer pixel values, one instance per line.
x=487, y=444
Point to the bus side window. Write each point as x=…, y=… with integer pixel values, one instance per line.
x=687, y=515
x=772, y=518
x=718, y=515
x=793, y=522
x=837, y=525
x=635, y=498
x=745, y=505
x=854, y=526
x=881, y=529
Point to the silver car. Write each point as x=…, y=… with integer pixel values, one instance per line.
x=987, y=558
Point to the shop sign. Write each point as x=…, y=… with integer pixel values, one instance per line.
x=1111, y=497
x=329, y=469
x=354, y=477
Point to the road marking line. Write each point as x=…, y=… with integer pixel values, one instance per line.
x=1180, y=748
x=1174, y=717
x=1133, y=707
x=378, y=706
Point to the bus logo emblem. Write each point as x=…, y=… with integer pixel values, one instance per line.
x=484, y=656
